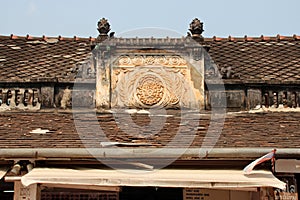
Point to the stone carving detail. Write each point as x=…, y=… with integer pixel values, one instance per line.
x=139, y=60
x=196, y=27
x=103, y=26
x=150, y=90
x=150, y=86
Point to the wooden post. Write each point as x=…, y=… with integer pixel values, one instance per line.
x=31, y=192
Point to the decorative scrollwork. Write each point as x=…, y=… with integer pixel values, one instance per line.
x=175, y=60
x=124, y=60
x=161, y=60
x=149, y=60
x=139, y=60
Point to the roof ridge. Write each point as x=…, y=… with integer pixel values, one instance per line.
x=30, y=37
x=278, y=37
x=246, y=38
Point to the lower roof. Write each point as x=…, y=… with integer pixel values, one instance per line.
x=171, y=130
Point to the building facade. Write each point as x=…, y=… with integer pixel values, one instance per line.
x=150, y=118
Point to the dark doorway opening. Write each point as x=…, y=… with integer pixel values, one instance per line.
x=6, y=190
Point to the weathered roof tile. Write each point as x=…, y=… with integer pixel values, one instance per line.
x=40, y=55
x=249, y=58
x=274, y=130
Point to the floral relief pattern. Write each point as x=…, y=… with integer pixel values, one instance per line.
x=150, y=90
x=150, y=86
x=139, y=60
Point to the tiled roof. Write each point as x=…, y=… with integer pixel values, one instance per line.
x=262, y=58
x=273, y=130
x=30, y=59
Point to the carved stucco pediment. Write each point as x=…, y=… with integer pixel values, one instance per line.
x=145, y=77
x=146, y=81
x=148, y=86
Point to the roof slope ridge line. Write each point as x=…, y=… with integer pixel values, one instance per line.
x=29, y=37
x=250, y=38
x=214, y=38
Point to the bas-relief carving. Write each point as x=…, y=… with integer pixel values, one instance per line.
x=148, y=86
x=147, y=81
x=150, y=90
x=140, y=60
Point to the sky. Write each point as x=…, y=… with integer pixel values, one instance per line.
x=221, y=18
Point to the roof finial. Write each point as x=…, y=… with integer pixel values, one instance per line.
x=103, y=27
x=196, y=28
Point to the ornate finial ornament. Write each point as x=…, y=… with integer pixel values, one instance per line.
x=196, y=27
x=103, y=26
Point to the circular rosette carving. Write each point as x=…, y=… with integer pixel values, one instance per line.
x=161, y=60
x=124, y=60
x=150, y=90
x=138, y=60
x=174, y=60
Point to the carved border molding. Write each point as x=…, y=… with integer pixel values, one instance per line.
x=141, y=60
